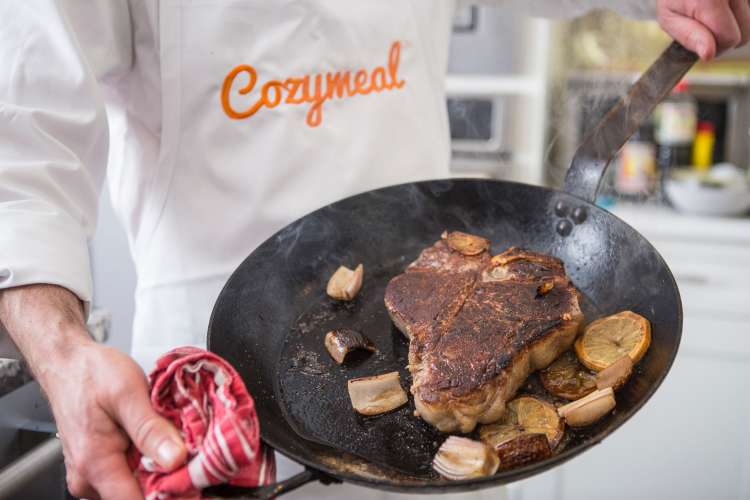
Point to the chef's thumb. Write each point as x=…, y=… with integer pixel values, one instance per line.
x=154, y=436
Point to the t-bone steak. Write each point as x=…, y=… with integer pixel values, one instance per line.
x=479, y=325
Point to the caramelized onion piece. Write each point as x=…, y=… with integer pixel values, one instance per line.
x=525, y=415
x=377, y=394
x=588, y=410
x=340, y=342
x=466, y=244
x=567, y=378
x=523, y=449
x=616, y=374
x=461, y=458
x=345, y=283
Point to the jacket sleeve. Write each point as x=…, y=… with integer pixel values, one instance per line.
x=638, y=9
x=54, y=135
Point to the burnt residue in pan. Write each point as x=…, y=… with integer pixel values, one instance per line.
x=312, y=387
x=315, y=397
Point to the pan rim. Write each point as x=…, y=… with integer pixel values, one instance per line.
x=504, y=477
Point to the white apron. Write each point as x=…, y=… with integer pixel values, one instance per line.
x=272, y=109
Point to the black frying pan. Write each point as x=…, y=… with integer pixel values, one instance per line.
x=270, y=318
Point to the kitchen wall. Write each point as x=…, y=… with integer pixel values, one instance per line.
x=488, y=49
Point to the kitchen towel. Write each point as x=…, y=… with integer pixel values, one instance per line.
x=205, y=398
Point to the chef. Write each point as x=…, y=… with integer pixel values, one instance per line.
x=214, y=124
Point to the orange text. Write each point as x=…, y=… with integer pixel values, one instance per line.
x=314, y=90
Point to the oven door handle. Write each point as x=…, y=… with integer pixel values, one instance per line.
x=18, y=474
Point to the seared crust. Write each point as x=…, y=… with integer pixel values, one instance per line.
x=479, y=327
x=419, y=299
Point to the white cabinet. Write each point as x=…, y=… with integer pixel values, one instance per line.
x=691, y=441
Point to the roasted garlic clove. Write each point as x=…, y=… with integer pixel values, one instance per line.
x=377, y=394
x=339, y=343
x=523, y=449
x=616, y=374
x=345, y=283
x=588, y=410
x=461, y=458
x=466, y=244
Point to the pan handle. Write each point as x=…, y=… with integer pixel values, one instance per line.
x=599, y=148
x=269, y=491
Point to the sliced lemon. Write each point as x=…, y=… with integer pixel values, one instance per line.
x=524, y=415
x=606, y=340
x=568, y=378
x=499, y=433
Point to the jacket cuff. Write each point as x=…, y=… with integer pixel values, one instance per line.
x=44, y=247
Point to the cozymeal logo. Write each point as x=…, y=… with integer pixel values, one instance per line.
x=314, y=90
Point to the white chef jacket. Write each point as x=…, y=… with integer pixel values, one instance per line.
x=215, y=123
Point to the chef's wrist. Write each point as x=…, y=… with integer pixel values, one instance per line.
x=53, y=362
x=47, y=324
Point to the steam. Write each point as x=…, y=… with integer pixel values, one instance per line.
x=601, y=47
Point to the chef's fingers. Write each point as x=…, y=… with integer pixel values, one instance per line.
x=113, y=479
x=690, y=33
x=741, y=10
x=720, y=19
x=152, y=434
x=77, y=485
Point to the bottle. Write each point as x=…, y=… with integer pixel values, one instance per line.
x=676, y=120
x=636, y=171
x=703, y=146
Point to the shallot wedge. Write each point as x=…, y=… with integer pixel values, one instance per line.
x=339, y=343
x=589, y=409
x=616, y=374
x=345, y=283
x=378, y=394
x=461, y=458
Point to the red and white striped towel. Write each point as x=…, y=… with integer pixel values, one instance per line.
x=205, y=398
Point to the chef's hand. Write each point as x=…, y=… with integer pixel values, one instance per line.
x=99, y=396
x=707, y=27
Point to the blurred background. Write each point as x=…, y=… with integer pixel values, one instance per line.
x=523, y=93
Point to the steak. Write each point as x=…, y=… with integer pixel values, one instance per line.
x=478, y=326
